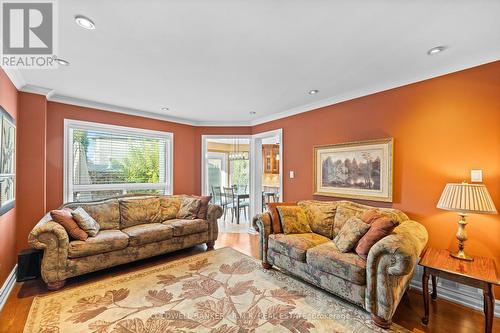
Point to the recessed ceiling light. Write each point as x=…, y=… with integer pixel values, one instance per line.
x=84, y=22
x=313, y=92
x=165, y=108
x=62, y=62
x=436, y=50
x=252, y=112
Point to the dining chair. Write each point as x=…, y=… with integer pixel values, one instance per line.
x=219, y=198
x=232, y=202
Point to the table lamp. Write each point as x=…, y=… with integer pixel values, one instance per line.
x=465, y=198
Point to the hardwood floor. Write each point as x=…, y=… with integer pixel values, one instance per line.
x=444, y=316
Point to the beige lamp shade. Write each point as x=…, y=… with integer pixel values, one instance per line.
x=467, y=198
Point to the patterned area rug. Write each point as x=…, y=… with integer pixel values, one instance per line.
x=222, y=291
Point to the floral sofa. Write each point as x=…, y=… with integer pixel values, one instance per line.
x=131, y=228
x=375, y=284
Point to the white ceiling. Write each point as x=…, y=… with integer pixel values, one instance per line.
x=212, y=62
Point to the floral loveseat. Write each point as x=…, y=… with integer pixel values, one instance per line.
x=375, y=284
x=131, y=228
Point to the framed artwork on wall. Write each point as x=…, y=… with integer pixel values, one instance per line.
x=355, y=170
x=7, y=162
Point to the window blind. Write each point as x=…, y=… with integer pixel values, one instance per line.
x=105, y=161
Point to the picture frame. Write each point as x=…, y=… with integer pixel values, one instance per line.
x=355, y=170
x=7, y=162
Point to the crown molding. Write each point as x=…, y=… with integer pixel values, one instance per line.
x=15, y=77
x=29, y=88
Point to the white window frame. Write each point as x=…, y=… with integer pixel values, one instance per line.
x=70, y=125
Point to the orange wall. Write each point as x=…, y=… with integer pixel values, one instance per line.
x=31, y=162
x=442, y=128
x=184, y=168
x=8, y=100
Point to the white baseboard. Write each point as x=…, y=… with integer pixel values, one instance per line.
x=7, y=287
x=455, y=292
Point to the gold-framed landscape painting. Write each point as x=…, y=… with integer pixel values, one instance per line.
x=355, y=170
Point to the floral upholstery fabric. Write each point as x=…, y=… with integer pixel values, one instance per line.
x=352, y=292
x=105, y=241
x=134, y=211
x=347, y=209
x=86, y=222
x=293, y=220
x=189, y=208
x=350, y=234
x=169, y=206
x=106, y=212
x=388, y=268
x=100, y=261
x=321, y=216
x=295, y=245
x=348, y=266
x=148, y=233
x=187, y=227
x=92, y=255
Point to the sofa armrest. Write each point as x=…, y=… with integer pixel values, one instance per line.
x=262, y=223
x=51, y=237
x=214, y=212
x=390, y=265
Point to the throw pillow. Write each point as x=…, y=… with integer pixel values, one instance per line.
x=204, y=201
x=380, y=228
x=64, y=218
x=85, y=222
x=189, y=209
x=321, y=215
x=293, y=220
x=275, y=217
x=350, y=233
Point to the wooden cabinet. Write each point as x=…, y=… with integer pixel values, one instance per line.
x=271, y=158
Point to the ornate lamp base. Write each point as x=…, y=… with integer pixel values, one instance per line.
x=461, y=255
x=462, y=237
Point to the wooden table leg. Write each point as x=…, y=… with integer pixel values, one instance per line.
x=489, y=306
x=425, y=292
x=434, y=288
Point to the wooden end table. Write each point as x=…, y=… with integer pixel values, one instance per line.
x=479, y=273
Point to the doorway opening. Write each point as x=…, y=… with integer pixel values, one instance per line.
x=226, y=177
x=242, y=173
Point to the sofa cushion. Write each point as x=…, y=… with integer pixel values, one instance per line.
x=293, y=220
x=379, y=228
x=106, y=213
x=148, y=233
x=169, y=206
x=64, y=218
x=321, y=215
x=350, y=234
x=86, y=222
x=104, y=241
x=134, y=211
x=348, y=266
x=345, y=211
x=187, y=227
x=272, y=207
x=189, y=208
x=295, y=245
x=204, y=201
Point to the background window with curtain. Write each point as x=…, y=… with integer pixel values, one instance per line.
x=103, y=161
